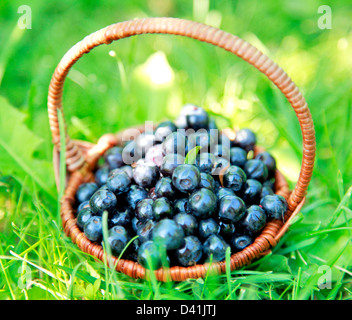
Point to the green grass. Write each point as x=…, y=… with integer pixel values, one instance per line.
x=109, y=90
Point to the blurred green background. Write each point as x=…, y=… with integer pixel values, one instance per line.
x=150, y=77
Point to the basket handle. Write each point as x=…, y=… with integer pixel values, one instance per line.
x=198, y=31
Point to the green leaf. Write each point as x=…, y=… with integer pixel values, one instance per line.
x=17, y=148
x=192, y=155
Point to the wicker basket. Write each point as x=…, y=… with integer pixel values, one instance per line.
x=81, y=157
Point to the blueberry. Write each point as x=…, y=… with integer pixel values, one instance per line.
x=152, y=194
x=170, y=162
x=149, y=251
x=165, y=188
x=118, y=239
x=256, y=169
x=215, y=245
x=205, y=162
x=219, y=165
x=101, y=175
x=145, y=230
x=251, y=191
x=206, y=181
x=144, y=142
x=191, y=252
x=93, y=228
x=164, y=129
x=182, y=205
x=175, y=143
x=222, y=192
x=193, y=117
x=238, y=157
x=85, y=191
x=221, y=151
x=232, y=208
x=246, y=139
x=118, y=181
x=208, y=227
x=186, y=177
x=144, y=210
x=239, y=242
x=128, y=169
x=84, y=204
x=83, y=216
x=202, y=139
x=168, y=234
x=103, y=199
x=202, y=203
x=266, y=191
x=187, y=221
x=234, y=178
x=255, y=219
x=268, y=160
x=145, y=174
x=227, y=229
x=113, y=157
x=135, y=224
x=162, y=208
x=275, y=206
x=155, y=154
x=122, y=218
x=135, y=194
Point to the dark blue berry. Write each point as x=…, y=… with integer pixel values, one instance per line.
x=186, y=178
x=206, y=181
x=202, y=203
x=122, y=218
x=145, y=174
x=162, y=208
x=149, y=251
x=83, y=216
x=165, y=188
x=84, y=204
x=182, y=205
x=227, y=229
x=103, y=199
x=201, y=139
x=256, y=169
x=163, y=130
x=251, y=191
x=215, y=245
x=246, y=139
x=118, y=239
x=268, y=160
x=101, y=175
x=118, y=181
x=239, y=242
x=93, y=228
x=135, y=194
x=193, y=117
x=234, y=178
x=238, y=157
x=144, y=210
x=168, y=234
x=222, y=192
x=208, y=227
x=205, y=162
x=170, y=162
x=145, y=230
x=232, y=208
x=266, y=191
x=175, y=143
x=113, y=157
x=275, y=206
x=128, y=169
x=85, y=191
x=191, y=252
x=255, y=219
x=187, y=221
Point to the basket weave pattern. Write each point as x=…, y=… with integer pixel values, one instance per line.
x=81, y=157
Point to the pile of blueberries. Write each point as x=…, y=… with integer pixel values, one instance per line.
x=185, y=189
